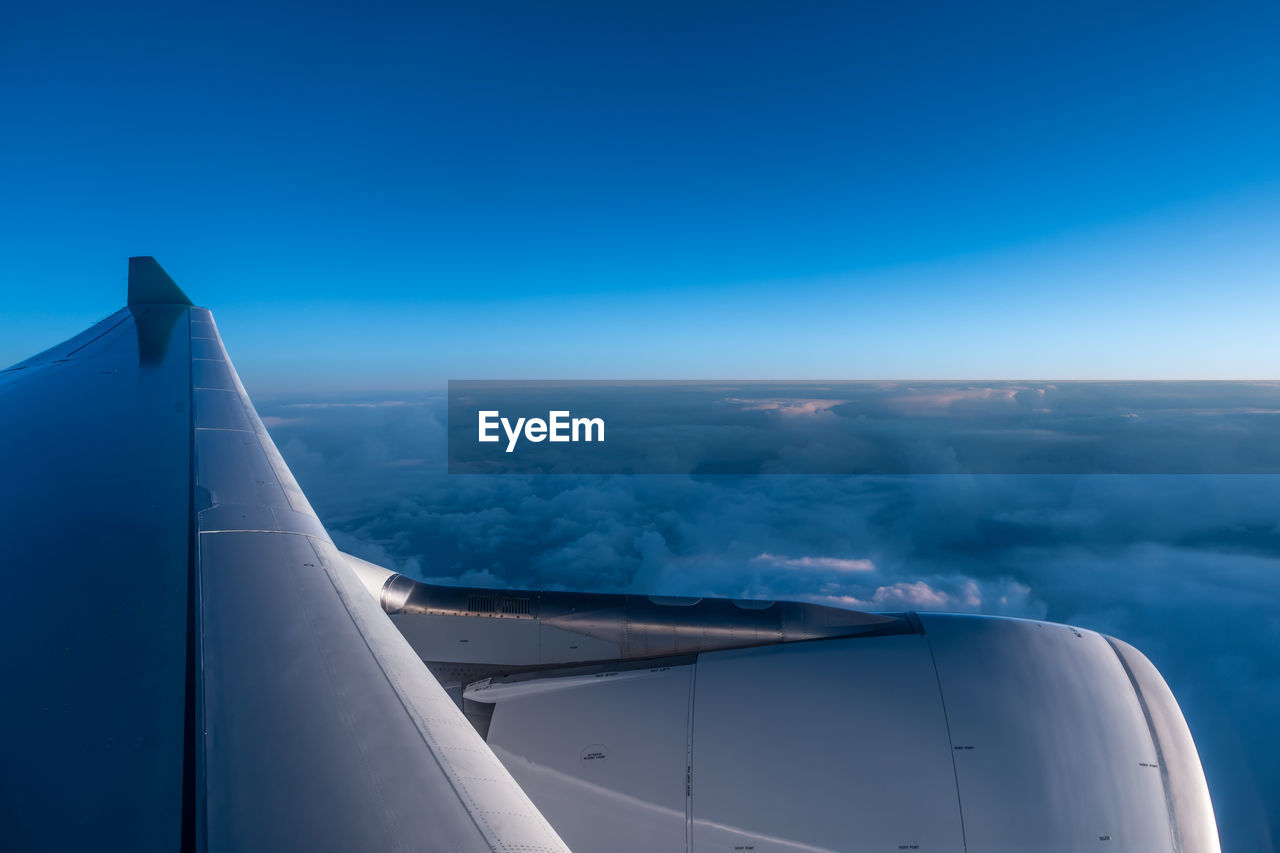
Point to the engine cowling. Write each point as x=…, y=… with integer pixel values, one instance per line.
x=974, y=733
x=638, y=724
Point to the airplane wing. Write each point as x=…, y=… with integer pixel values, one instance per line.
x=190, y=663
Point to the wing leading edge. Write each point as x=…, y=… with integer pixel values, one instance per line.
x=213, y=676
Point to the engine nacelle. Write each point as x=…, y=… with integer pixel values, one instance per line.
x=707, y=725
x=971, y=733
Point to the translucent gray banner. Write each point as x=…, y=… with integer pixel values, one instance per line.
x=863, y=427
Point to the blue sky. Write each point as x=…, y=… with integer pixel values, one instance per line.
x=393, y=195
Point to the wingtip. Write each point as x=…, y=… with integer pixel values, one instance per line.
x=149, y=284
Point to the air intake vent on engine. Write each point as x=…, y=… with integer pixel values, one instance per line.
x=504, y=604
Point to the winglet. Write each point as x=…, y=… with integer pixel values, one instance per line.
x=149, y=284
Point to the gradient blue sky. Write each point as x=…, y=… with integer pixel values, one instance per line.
x=389, y=195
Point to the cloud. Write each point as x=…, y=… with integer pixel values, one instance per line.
x=792, y=407
x=1187, y=568
x=907, y=595
x=376, y=404
x=931, y=402
x=1001, y=597
x=838, y=564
